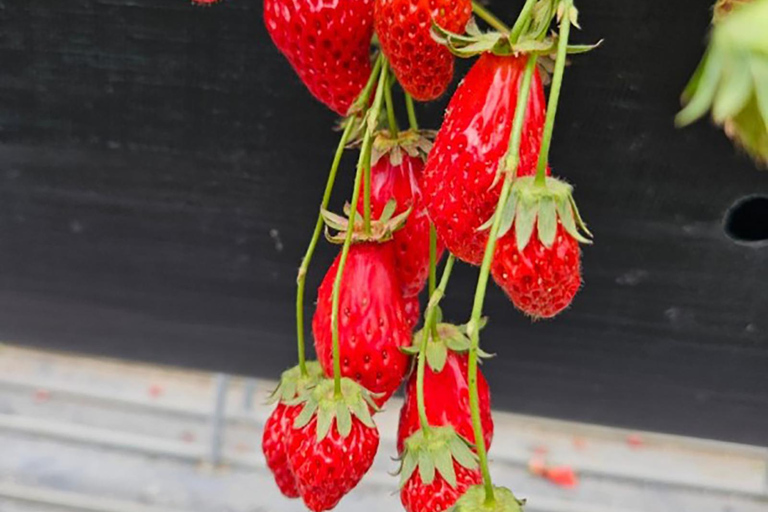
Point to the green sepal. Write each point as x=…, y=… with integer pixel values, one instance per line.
x=474, y=500
x=323, y=404
x=414, y=143
x=437, y=354
x=293, y=383
x=382, y=229
x=432, y=452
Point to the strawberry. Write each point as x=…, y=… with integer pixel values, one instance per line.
x=541, y=281
x=423, y=67
x=273, y=443
x=412, y=311
x=333, y=443
x=460, y=184
x=372, y=322
x=395, y=174
x=327, y=43
x=279, y=424
x=437, y=468
x=446, y=397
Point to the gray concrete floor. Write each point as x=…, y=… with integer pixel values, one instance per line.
x=107, y=436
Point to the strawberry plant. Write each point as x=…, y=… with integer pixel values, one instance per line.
x=483, y=192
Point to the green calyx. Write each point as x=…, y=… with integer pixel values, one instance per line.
x=534, y=40
x=382, y=229
x=441, y=339
x=732, y=80
x=433, y=453
x=414, y=143
x=293, y=383
x=543, y=206
x=322, y=401
x=474, y=500
x=725, y=7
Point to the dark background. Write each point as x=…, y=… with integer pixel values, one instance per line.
x=161, y=166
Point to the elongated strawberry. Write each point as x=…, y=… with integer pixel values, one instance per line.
x=327, y=43
x=280, y=422
x=332, y=443
x=446, y=398
x=412, y=311
x=437, y=469
x=372, y=323
x=396, y=175
x=460, y=184
x=423, y=67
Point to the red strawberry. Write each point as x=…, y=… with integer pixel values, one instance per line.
x=273, y=443
x=458, y=183
x=372, y=323
x=399, y=180
x=439, y=495
x=327, y=43
x=540, y=281
x=423, y=66
x=446, y=397
x=330, y=452
x=412, y=311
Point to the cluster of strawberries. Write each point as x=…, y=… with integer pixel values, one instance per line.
x=423, y=198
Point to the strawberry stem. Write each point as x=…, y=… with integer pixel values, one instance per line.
x=522, y=22
x=432, y=258
x=391, y=118
x=411, y=112
x=371, y=120
x=554, y=94
x=488, y=17
x=304, y=268
x=363, y=168
x=429, y=327
x=512, y=161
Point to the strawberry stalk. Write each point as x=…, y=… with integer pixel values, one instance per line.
x=488, y=17
x=391, y=119
x=301, y=279
x=429, y=326
x=511, y=163
x=363, y=169
x=523, y=21
x=554, y=93
x=409, y=106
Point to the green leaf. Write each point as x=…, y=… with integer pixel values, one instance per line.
x=462, y=453
x=760, y=76
x=407, y=469
x=524, y=221
x=305, y=415
x=547, y=221
x=735, y=89
x=362, y=412
x=577, y=49
x=579, y=222
x=485, y=226
x=389, y=210
x=343, y=419
x=438, y=315
x=437, y=353
x=705, y=90
x=426, y=467
x=325, y=417
x=444, y=465
x=508, y=215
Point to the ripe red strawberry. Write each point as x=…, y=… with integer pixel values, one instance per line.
x=540, y=281
x=458, y=183
x=412, y=312
x=330, y=452
x=273, y=443
x=439, y=495
x=423, y=67
x=372, y=323
x=399, y=180
x=446, y=397
x=327, y=43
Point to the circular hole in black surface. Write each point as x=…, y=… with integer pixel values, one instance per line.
x=747, y=220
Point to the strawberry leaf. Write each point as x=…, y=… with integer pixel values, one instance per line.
x=734, y=90
x=408, y=467
x=508, y=215
x=426, y=467
x=437, y=353
x=325, y=417
x=547, y=221
x=524, y=222
x=462, y=453
x=343, y=419
x=306, y=414
x=444, y=466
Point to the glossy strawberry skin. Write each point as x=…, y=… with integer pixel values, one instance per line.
x=327, y=470
x=412, y=312
x=439, y=495
x=273, y=443
x=411, y=242
x=327, y=43
x=372, y=322
x=423, y=67
x=458, y=184
x=540, y=281
x=446, y=397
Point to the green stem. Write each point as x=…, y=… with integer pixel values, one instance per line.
x=513, y=156
x=391, y=118
x=302, y=277
x=488, y=17
x=523, y=20
x=366, y=162
x=411, y=112
x=554, y=95
x=365, y=156
x=429, y=326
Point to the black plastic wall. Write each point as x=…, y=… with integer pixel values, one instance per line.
x=161, y=166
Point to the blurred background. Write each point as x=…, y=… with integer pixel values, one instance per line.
x=160, y=171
